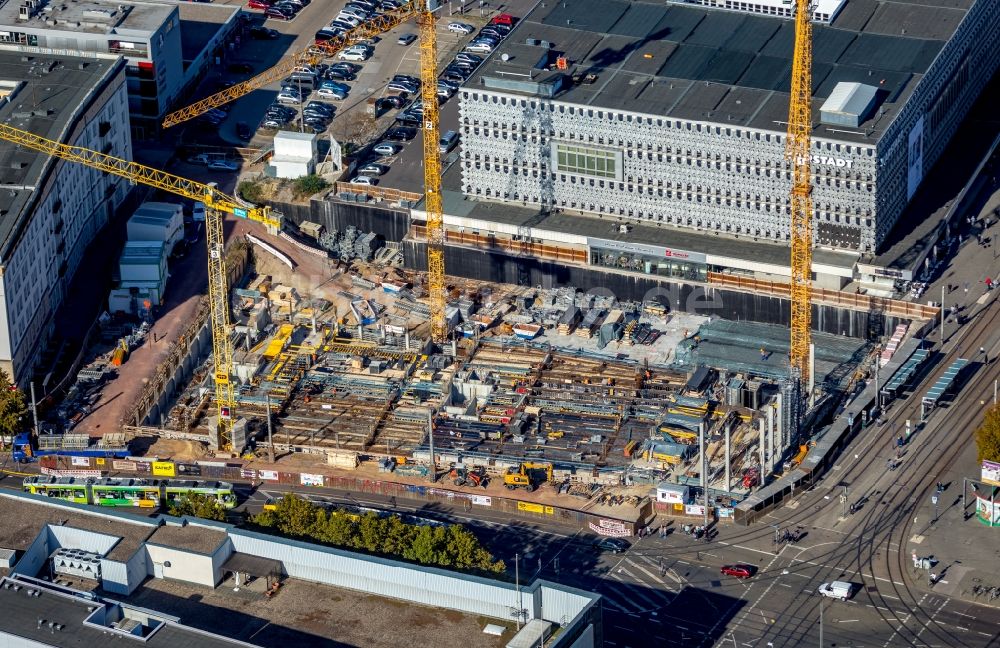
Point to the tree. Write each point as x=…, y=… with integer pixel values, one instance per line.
x=988, y=435
x=250, y=191
x=308, y=185
x=198, y=505
x=12, y=406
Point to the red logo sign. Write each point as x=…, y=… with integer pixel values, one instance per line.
x=675, y=254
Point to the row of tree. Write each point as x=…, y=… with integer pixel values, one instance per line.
x=988, y=435
x=452, y=547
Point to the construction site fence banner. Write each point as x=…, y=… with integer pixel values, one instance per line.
x=164, y=469
x=311, y=480
x=268, y=475
x=189, y=470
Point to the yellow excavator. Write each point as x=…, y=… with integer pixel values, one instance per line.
x=526, y=476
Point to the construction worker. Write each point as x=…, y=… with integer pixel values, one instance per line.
x=763, y=353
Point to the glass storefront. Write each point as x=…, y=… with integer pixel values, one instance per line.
x=649, y=264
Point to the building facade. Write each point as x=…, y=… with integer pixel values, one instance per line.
x=147, y=35
x=53, y=209
x=566, y=141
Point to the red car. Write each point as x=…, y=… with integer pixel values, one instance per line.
x=739, y=570
x=259, y=4
x=504, y=19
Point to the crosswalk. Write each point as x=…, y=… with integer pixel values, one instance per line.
x=635, y=586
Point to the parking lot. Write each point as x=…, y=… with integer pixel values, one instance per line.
x=245, y=121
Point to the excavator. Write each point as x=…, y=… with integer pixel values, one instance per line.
x=461, y=476
x=526, y=476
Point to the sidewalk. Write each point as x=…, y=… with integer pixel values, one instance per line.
x=966, y=550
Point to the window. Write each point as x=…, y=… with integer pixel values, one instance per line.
x=584, y=160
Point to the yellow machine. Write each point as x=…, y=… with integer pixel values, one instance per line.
x=216, y=203
x=798, y=153
x=526, y=476
x=313, y=54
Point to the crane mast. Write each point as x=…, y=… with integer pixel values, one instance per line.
x=216, y=204
x=432, y=174
x=798, y=147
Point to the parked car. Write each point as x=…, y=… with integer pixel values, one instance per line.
x=373, y=169
x=341, y=25
x=406, y=39
x=287, y=7
x=259, y=4
x=365, y=180
x=200, y=158
x=287, y=96
x=198, y=212
x=325, y=35
x=504, y=19
x=836, y=589
x=401, y=134
x=243, y=131
x=355, y=54
x=448, y=141
x=279, y=13
x=458, y=70
x=460, y=28
x=321, y=107
x=343, y=87
x=738, y=570
x=614, y=545
x=406, y=78
x=485, y=40
x=339, y=75
x=387, y=148
x=223, y=165
x=274, y=122
x=453, y=77
x=264, y=33
x=300, y=4
x=448, y=84
x=402, y=86
x=469, y=58
x=485, y=48
x=331, y=93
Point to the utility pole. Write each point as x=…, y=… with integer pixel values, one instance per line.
x=34, y=409
x=821, y=622
x=270, y=440
x=942, y=318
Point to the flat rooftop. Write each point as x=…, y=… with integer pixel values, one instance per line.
x=725, y=67
x=23, y=519
x=200, y=23
x=48, y=92
x=90, y=16
x=22, y=613
x=310, y=614
x=191, y=537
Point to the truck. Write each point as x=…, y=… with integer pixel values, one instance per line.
x=27, y=448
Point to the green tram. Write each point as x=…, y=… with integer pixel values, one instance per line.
x=144, y=493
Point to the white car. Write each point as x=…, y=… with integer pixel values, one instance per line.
x=365, y=180
x=385, y=148
x=331, y=93
x=460, y=28
x=198, y=212
x=353, y=54
x=479, y=47
x=353, y=21
x=223, y=165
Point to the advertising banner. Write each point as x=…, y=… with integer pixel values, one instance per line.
x=81, y=461
x=269, y=475
x=164, y=469
x=127, y=466
x=613, y=528
x=311, y=480
x=530, y=507
x=991, y=473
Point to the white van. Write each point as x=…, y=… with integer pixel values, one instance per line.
x=836, y=589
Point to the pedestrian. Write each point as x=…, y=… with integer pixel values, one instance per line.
x=763, y=354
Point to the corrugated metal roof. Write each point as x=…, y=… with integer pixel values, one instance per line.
x=849, y=98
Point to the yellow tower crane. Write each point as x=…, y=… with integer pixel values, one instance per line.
x=798, y=147
x=216, y=203
x=313, y=54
